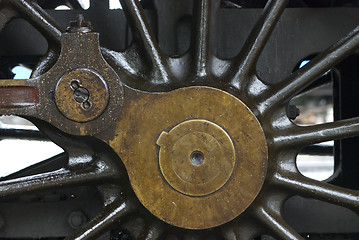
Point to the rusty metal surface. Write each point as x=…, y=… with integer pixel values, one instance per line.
x=18, y=96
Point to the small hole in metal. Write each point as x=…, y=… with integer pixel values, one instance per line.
x=75, y=84
x=197, y=158
x=86, y=105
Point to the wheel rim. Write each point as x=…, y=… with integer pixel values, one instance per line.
x=238, y=77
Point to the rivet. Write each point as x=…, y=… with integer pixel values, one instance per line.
x=77, y=219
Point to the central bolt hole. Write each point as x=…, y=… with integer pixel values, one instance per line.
x=196, y=158
x=81, y=95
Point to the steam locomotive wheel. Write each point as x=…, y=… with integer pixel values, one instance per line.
x=204, y=147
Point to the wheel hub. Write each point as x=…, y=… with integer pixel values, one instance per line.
x=188, y=164
x=196, y=157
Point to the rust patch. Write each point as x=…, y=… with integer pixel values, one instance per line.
x=18, y=96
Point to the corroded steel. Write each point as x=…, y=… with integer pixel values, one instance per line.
x=196, y=118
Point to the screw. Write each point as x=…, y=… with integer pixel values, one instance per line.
x=77, y=219
x=81, y=95
x=293, y=112
x=80, y=25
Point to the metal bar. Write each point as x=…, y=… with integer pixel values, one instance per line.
x=276, y=225
x=110, y=215
x=22, y=134
x=299, y=136
x=248, y=57
x=120, y=59
x=7, y=14
x=154, y=231
x=285, y=90
x=141, y=31
x=230, y=233
x=306, y=187
x=52, y=164
x=326, y=79
x=18, y=96
x=41, y=20
x=246, y=228
x=46, y=62
x=54, y=180
x=201, y=37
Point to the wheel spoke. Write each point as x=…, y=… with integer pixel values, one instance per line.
x=257, y=39
x=240, y=230
x=141, y=31
x=306, y=187
x=22, y=134
x=230, y=233
x=155, y=231
x=276, y=225
x=50, y=164
x=6, y=15
x=55, y=179
x=304, y=76
x=103, y=222
x=78, y=150
x=46, y=62
x=120, y=59
x=201, y=37
x=302, y=136
x=35, y=15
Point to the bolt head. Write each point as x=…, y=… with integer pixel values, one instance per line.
x=77, y=219
x=80, y=25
